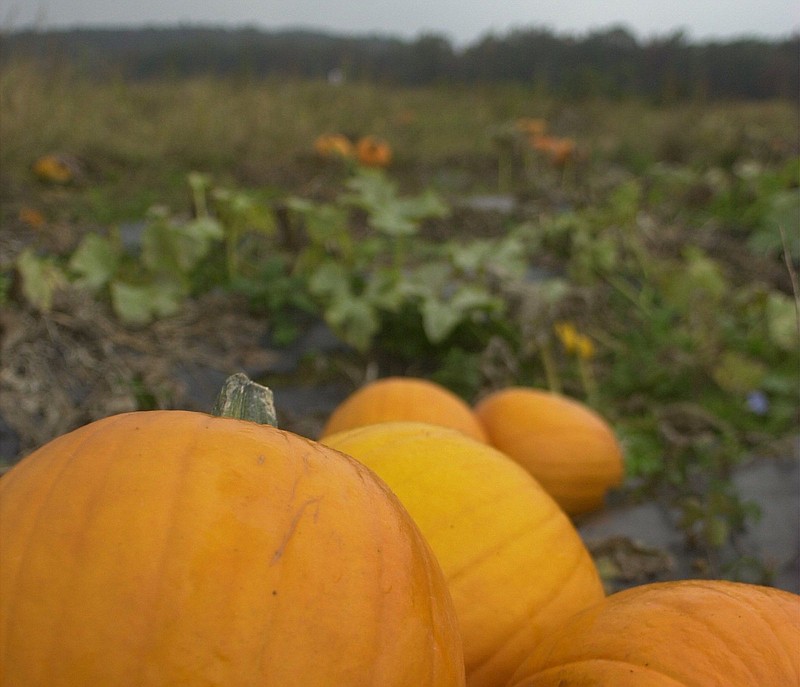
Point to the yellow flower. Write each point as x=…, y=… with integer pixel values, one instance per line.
x=568, y=334
x=573, y=341
x=584, y=347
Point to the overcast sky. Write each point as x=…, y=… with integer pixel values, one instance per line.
x=462, y=21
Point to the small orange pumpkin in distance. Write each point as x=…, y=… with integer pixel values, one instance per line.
x=688, y=633
x=515, y=564
x=564, y=444
x=404, y=398
x=373, y=151
x=163, y=548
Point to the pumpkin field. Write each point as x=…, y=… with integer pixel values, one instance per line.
x=522, y=319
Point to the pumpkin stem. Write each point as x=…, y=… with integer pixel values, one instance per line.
x=243, y=399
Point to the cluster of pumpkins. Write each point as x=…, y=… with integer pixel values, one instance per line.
x=419, y=542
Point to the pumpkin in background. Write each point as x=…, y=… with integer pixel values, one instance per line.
x=515, y=565
x=170, y=548
x=333, y=146
x=372, y=151
x=689, y=633
x=564, y=444
x=404, y=398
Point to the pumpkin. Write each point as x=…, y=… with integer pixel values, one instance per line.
x=688, y=633
x=161, y=548
x=515, y=565
x=55, y=169
x=404, y=398
x=570, y=449
x=372, y=151
x=333, y=146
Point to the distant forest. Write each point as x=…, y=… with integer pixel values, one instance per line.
x=607, y=63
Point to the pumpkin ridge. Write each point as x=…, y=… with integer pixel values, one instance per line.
x=178, y=477
x=564, y=585
x=706, y=628
x=766, y=619
x=716, y=649
x=556, y=670
x=510, y=539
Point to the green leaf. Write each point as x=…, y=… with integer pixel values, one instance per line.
x=354, y=319
x=95, y=261
x=40, y=278
x=698, y=280
x=439, y=319
x=737, y=373
x=326, y=226
x=428, y=279
x=505, y=258
x=178, y=248
x=330, y=280
x=469, y=298
x=782, y=321
x=624, y=201
x=778, y=228
x=717, y=531
x=390, y=220
x=385, y=292
x=140, y=304
x=203, y=229
x=372, y=191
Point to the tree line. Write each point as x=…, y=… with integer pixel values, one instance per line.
x=606, y=63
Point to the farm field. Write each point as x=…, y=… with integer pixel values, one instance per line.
x=158, y=236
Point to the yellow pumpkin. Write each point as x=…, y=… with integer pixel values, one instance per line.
x=404, y=398
x=163, y=548
x=689, y=633
x=333, y=146
x=515, y=565
x=570, y=449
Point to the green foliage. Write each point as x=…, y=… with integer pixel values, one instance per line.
x=279, y=294
x=41, y=277
x=154, y=283
x=387, y=277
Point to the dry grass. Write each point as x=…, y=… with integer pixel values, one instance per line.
x=138, y=139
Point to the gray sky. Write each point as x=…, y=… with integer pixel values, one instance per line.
x=462, y=21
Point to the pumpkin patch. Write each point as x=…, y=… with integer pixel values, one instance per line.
x=170, y=547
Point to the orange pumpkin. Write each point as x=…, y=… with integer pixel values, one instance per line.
x=404, y=398
x=55, y=169
x=564, y=444
x=515, y=565
x=373, y=151
x=176, y=548
x=690, y=633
